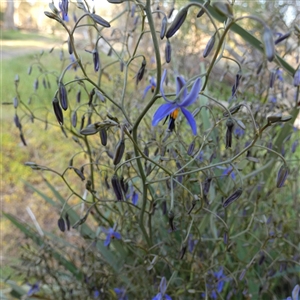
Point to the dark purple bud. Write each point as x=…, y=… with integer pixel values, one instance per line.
x=74, y=118
x=163, y=28
x=78, y=96
x=171, y=12
x=106, y=182
x=282, y=175
x=82, y=122
x=146, y=151
x=232, y=110
x=177, y=22
x=171, y=220
x=282, y=38
x=182, y=250
x=294, y=146
x=224, y=9
x=103, y=136
x=120, y=148
x=261, y=259
x=158, y=14
x=124, y=185
x=297, y=78
x=96, y=60
x=63, y=96
x=91, y=95
x=259, y=69
x=141, y=71
x=115, y=182
x=61, y=224
x=121, y=66
x=68, y=221
x=191, y=148
x=229, y=131
x=79, y=173
x=225, y=238
x=17, y=122
x=36, y=85
x=44, y=83
x=58, y=111
x=109, y=53
x=29, y=70
x=99, y=20
x=70, y=48
x=269, y=44
x=272, y=78
x=23, y=139
x=168, y=51
x=233, y=197
x=206, y=186
x=209, y=46
x=164, y=207
x=274, y=118
x=202, y=11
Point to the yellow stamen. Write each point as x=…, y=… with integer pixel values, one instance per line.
x=174, y=114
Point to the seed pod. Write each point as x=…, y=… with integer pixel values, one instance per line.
x=74, y=118
x=269, y=44
x=282, y=38
x=274, y=118
x=209, y=46
x=119, y=152
x=99, y=20
x=229, y=125
x=63, y=96
x=115, y=182
x=177, y=22
x=168, y=51
x=68, y=221
x=58, y=111
x=233, y=197
x=163, y=28
x=96, y=60
x=61, y=224
x=282, y=175
x=103, y=136
x=191, y=148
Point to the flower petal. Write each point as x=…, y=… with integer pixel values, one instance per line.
x=107, y=241
x=193, y=95
x=180, y=83
x=146, y=90
x=162, y=112
x=190, y=119
x=117, y=235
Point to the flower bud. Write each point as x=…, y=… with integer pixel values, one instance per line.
x=274, y=118
x=171, y=217
x=233, y=197
x=168, y=51
x=119, y=152
x=103, y=136
x=282, y=38
x=70, y=48
x=78, y=96
x=68, y=221
x=163, y=28
x=79, y=173
x=272, y=78
x=177, y=22
x=115, y=182
x=209, y=46
x=183, y=250
x=74, y=118
x=99, y=20
x=229, y=125
x=232, y=110
x=15, y=102
x=17, y=122
x=29, y=70
x=141, y=71
x=58, y=111
x=61, y=224
x=282, y=175
x=36, y=85
x=96, y=60
x=63, y=96
x=191, y=148
x=206, y=186
x=269, y=44
x=297, y=78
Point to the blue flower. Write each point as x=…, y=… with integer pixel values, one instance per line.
x=215, y=283
x=272, y=99
x=110, y=234
x=34, y=288
x=227, y=171
x=151, y=86
x=96, y=294
x=182, y=100
x=133, y=195
x=63, y=5
x=238, y=132
x=121, y=294
x=162, y=288
x=295, y=293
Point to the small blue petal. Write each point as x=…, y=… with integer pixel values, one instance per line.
x=167, y=297
x=117, y=235
x=163, y=285
x=107, y=241
x=163, y=111
x=180, y=83
x=146, y=90
x=193, y=95
x=190, y=119
x=135, y=198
